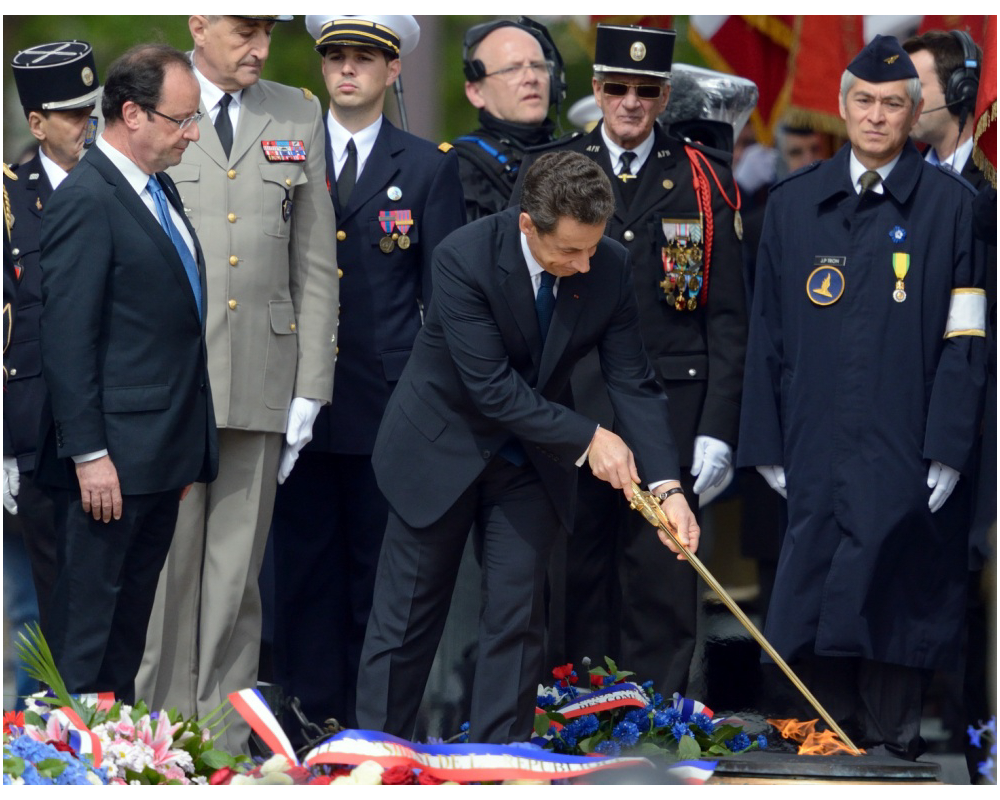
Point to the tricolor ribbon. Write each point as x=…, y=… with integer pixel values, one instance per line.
x=81, y=738
x=460, y=762
x=688, y=707
x=250, y=704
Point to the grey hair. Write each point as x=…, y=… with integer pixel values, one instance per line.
x=913, y=90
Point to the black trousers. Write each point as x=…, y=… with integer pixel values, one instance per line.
x=506, y=507
x=35, y=523
x=328, y=524
x=104, y=589
x=627, y=595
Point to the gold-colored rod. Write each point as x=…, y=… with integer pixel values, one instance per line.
x=646, y=504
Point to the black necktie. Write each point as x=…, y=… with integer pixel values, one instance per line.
x=348, y=175
x=224, y=125
x=545, y=303
x=627, y=177
x=868, y=179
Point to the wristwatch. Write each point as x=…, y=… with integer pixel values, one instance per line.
x=664, y=495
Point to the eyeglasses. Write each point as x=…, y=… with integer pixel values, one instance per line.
x=183, y=124
x=644, y=91
x=513, y=73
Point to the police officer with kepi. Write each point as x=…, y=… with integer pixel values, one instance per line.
x=684, y=245
x=514, y=74
x=864, y=378
x=396, y=197
x=58, y=88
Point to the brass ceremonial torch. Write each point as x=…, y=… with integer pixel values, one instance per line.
x=646, y=504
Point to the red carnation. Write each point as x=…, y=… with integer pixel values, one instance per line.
x=426, y=779
x=562, y=672
x=596, y=680
x=221, y=777
x=398, y=776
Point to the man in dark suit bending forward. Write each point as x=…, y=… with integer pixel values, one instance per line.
x=123, y=353
x=478, y=434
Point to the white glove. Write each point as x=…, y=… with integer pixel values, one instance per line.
x=298, y=433
x=775, y=477
x=712, y=492
x=940, y=478
x=712, y=459
x=11, y=483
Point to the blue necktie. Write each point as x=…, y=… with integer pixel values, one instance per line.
x=545, y=303
x=163, y=212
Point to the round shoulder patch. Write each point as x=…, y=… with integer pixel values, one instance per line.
x=825, y=285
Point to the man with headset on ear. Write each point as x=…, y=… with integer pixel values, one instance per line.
x=514, y=73
x=949, y=64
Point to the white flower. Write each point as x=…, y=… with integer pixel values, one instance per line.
x=276, y=763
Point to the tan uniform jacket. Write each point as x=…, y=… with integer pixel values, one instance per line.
x=268, y=232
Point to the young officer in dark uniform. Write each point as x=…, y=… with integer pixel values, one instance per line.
x=58, y=88
x=514, y=74
x=865, y=370
x=685, y=251
x=396, y=196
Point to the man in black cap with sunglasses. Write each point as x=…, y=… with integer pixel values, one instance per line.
x=685, y=250
x=513, y=77
x=865, y=371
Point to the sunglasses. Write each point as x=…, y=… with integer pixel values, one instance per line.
x=644, y=91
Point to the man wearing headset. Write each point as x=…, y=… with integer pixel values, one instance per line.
x=948, y=64
x=513, y=76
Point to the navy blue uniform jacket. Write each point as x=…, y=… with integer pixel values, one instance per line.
x=855, y=399
x=383, y=295
x=479, y=375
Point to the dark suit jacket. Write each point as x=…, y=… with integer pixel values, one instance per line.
x=22, y=407
x=123, y=349
x=383, y=295
x=699, y=354
x=478, y=375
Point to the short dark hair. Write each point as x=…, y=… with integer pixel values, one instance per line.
x=946, y=51
x=566, y=184
x=138, y=76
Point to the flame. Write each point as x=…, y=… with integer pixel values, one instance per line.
x=811, y=741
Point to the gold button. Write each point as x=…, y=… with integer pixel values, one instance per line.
x=395, y=235
x=340, y=272
x=341, y=236
x=288, y=181
x=233, y=261
x=336, y=351
x=292, y=326
x=231, y=174
x=231, y=217
x=668, y=184
x=232, y=304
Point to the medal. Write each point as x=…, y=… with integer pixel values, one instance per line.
x=387, y=219
x=394, y=193
x=900, y=265
x=386, y=244
x=404, y=221
x=681, y=303
x=738, y=224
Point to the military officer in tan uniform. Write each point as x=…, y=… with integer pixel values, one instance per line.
x=254, y=187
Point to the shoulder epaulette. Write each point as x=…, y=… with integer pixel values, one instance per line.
x=8, y=172
x=797, y=174
x=444, y=147
x=307, y=93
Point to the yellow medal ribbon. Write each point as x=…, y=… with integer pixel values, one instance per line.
x=900, y=264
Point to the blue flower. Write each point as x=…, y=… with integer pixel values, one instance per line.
x=657, y=700
x=739, y=742
x=588, y=725
x=544, y=701
x=680, y=730
x=974, y=737
x=704, y=722
x=985, y=769
x=898, y=235
x=627, y=733
x=608, y=747
x=666, y=718
x=647, y=685
x=639, y=717
x=762, y=742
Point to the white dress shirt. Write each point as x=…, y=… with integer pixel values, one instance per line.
x=615, y=152
x=858, y=169
x=364, y=141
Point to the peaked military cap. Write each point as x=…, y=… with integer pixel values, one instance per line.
x=634, y=50
x=56, y=76
x=882, y=60
x=397, y=34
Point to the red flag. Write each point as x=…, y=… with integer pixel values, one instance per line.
x=973, y=24
x=985, y=136
x=822, y=48
x=754, y=47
